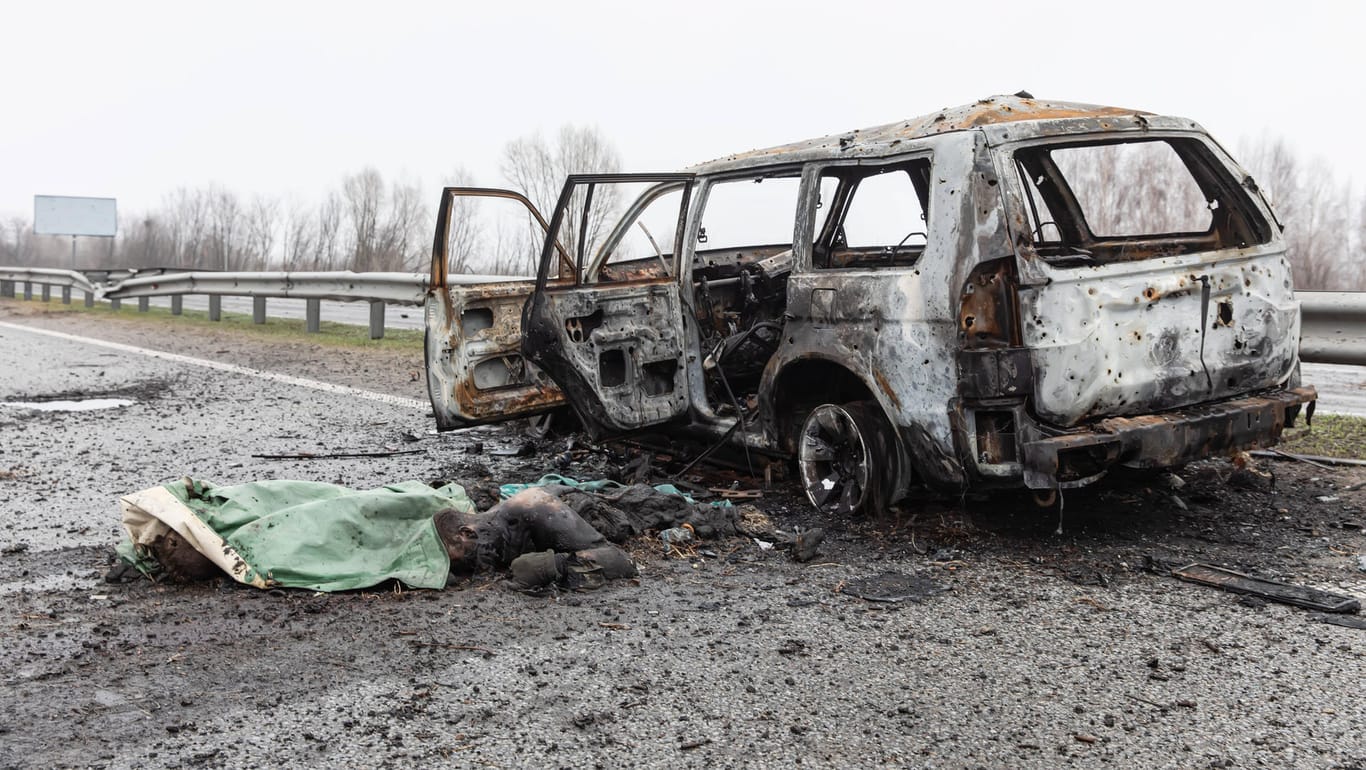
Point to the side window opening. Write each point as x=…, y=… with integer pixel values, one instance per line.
x=620, y=229
x=642, y=243
x=742, y=260
x=879, y=216
x=1098, y=202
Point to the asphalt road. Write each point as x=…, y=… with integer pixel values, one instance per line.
x=1040, y=650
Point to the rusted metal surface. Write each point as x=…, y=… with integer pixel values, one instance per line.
x=471, y=328
x=1162, y=440
x=997, y=357
x=1014, y=115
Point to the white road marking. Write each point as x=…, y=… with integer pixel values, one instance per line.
x=303, y=382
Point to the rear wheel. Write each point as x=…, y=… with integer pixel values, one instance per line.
x=845, y=454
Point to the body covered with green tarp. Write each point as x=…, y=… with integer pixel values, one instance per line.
x=299, y=534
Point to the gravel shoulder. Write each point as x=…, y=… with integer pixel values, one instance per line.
x=1043, y=642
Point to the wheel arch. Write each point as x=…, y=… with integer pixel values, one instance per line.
x=794, y=388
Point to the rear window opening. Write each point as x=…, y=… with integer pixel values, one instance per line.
x=1098, y=202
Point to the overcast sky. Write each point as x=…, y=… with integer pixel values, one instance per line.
x=133, y=99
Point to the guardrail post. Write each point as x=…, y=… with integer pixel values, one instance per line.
x=215, y=307
x=258, y=310
x=90, y=299
x=376, y=319
x=115, y=304
x=47, y=293
x=175, y=304
x=66, y=295
x=28, y=290
x=313, y=313
x=6, y=288
x=144, y=303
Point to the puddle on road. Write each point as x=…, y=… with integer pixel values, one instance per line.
x=81, y=405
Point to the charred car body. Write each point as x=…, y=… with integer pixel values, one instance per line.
x=1011, y=293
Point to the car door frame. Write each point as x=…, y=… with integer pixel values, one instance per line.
x=639, y=324
x=474, y=321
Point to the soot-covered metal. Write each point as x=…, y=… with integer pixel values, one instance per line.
x=947, y=305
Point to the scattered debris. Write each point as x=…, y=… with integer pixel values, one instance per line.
x=676, y=536
x=1300, y=596
x=1327, y=498
x=1299, y=458
x=1172, y=481
x=697, y=744
x=806, y=545
x=737, y=494
x=1318, y=460
x=337, y=455
x=892, y=587
x=753, y=522
x=1346, y=621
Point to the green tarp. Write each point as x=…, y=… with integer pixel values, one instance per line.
x=300, y=534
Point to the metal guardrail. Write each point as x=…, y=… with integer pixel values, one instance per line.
x=378, y=289
x=1333, y=327
x=115, y=285
x=344, y=286
x=46, y=278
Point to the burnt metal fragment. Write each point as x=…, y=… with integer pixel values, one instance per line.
x=1237, y=582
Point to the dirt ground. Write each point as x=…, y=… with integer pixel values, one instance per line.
x=1031, y=638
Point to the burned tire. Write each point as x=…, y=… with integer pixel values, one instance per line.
x=846, y=456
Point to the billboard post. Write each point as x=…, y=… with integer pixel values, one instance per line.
x=75, y=216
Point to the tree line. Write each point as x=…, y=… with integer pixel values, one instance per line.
x=369, y=223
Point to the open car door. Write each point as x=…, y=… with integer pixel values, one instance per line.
x=611, y=335
x=475, y=370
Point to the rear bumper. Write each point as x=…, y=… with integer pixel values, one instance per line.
x=1161, y=440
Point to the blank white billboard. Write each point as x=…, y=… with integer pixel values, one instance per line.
x=67, y=215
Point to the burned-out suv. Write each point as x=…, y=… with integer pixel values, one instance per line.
x=1010, y=293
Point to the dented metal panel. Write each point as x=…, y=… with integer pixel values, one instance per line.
x=475, y=369
x=1138, y=337
x=1162, y=440
x=616, y=350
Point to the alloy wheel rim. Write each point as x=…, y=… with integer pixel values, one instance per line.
x=833, y=459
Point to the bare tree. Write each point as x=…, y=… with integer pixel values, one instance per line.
x=262, y=230
x=363, y=195
x=299, y=236
x=327, y=248
x=404, y=231
x=465, y=232
x=1356, y=262
x=539, y=169
x=1315, y=209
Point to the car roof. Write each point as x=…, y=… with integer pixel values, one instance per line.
x=1026, y=115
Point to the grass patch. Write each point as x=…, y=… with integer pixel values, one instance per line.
x=278, y=329
x=1331, y=435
